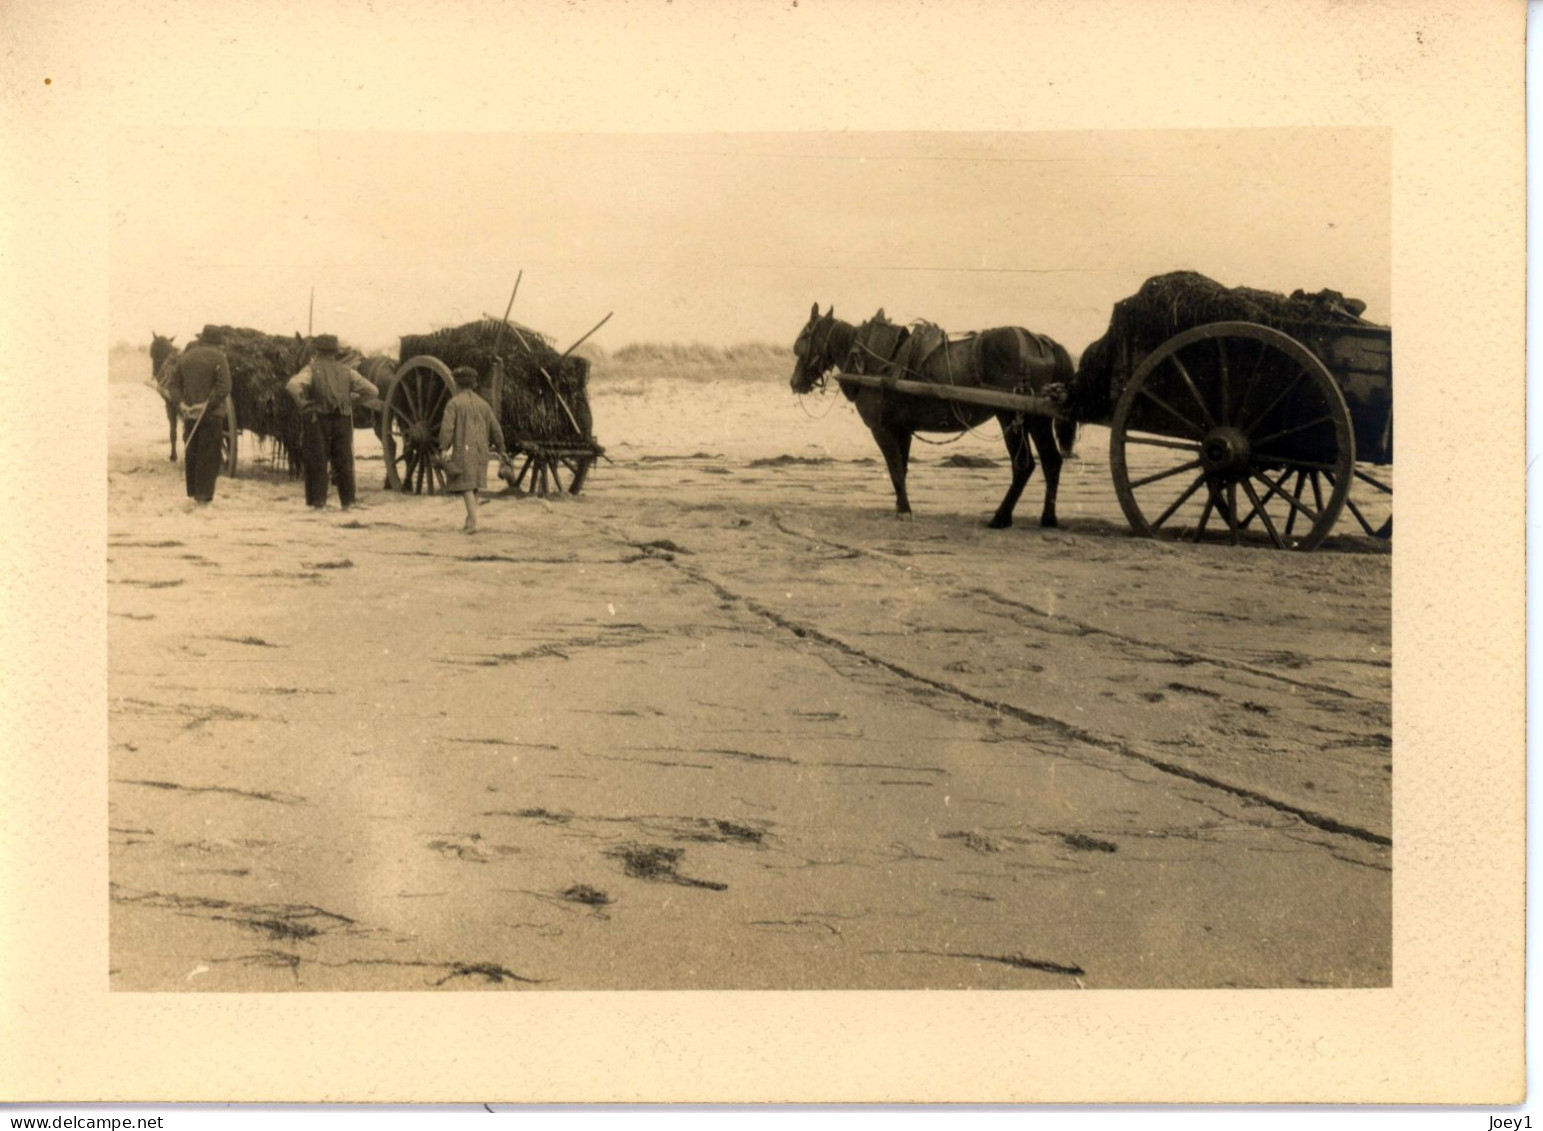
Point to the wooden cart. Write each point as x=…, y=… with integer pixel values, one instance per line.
x=548, y=460
x=1254, y=431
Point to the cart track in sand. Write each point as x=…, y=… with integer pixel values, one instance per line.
x=809, y=631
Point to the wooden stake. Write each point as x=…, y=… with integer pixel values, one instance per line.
x=586, y=337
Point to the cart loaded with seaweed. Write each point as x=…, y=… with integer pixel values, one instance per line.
x=1247, y=413
x=540, y=396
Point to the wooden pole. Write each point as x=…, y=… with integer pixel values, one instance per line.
x=586, y=337
x=498, y=369
x=967, y=394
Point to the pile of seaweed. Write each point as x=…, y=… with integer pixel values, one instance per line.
x=533, y=406
x=1181, y=300
x=260, y=366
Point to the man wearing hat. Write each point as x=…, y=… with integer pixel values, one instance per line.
x=326, y=390
x=466, y=431
x=199, y=387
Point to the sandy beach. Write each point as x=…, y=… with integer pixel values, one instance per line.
x=722, y=722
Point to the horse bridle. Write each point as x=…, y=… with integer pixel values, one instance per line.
x=814, y=352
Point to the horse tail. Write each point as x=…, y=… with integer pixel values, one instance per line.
x=1065, y=436
x=1065, y=429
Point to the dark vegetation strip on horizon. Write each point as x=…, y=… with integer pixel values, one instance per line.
x=688, y=352
x=128, y=361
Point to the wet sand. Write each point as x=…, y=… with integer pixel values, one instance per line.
x=722, y=722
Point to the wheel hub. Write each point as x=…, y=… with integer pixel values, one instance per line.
x=1225, y=451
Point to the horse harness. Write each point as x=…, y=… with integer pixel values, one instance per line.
x=915, y=345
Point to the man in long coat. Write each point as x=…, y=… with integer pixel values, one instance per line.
x=468, y=427
x=326, y=390
x=199, y=387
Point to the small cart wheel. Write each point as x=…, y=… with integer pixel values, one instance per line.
x=228, y=442
x=413, y=407
x=1227, y=425
x=579, y=467
x=550, y=473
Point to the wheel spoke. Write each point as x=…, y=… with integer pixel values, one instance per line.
x=1264, y=515
x=1177, y=503
x=1189, y=383
x=1155, y=442
x=1171, y=411
x=1223, y=380
x=410, y=391
x=1231, y=513
x=557, y=480
x=1359, y=517
x=1253, y=380
x=1291, y=513
x=1205, y=512
x=1180, y=470
x=1298, y=507
x=1325, y=419
x=1377, y=483
x=1270, y=494
x=439, y=401
x=1280, y=396
x=1317, y=491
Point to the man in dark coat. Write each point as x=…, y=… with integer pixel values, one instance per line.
x=199, y=388
x=326, y=390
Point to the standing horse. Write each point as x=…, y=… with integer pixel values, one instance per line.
x=161, y=351
x=1009, y=359
x=378, y=371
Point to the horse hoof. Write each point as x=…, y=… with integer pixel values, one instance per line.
x=1000, y=523
x=1049, y=523
x=903, y=516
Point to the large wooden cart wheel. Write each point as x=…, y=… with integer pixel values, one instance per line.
x=414, y=404
x=550, y=473
x=1234, y=428
x=228, y=441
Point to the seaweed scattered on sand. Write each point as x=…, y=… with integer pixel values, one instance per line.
x=1088, y=843
x=655, y=862
x=583, y=893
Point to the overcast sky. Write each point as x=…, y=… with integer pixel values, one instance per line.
x=726, y=238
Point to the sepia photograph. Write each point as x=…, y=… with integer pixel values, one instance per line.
x=751, y=561
x=798, y=552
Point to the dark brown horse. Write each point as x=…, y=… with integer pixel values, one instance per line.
x=161, y=351
x=1008, y=359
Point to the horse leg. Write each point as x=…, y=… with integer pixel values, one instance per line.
x=896, y=447
x=171, y=423
x=1017, y=440
x=1042, y=429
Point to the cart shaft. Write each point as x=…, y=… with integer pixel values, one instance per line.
x=967, y=394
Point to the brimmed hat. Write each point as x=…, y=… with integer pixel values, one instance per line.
x=325, y=343
x=466, y=376
x=211, y=334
